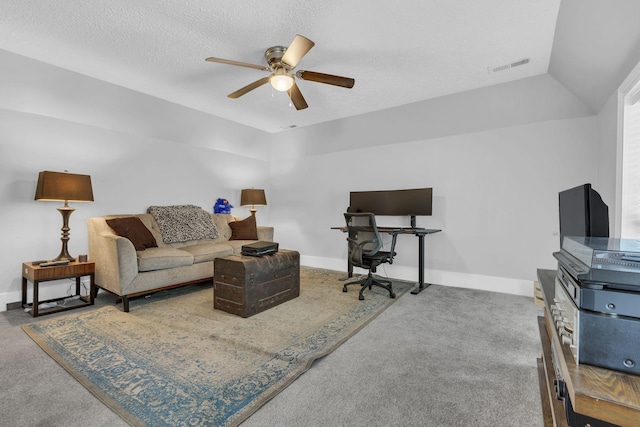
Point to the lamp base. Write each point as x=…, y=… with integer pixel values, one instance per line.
x=64, y=257
x=66, y=212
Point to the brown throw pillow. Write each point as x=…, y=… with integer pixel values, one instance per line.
x=245, y=229
x=133, y=229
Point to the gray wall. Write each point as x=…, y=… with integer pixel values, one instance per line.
x=139, y=151
x=496, y=158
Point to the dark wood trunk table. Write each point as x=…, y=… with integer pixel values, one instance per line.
x=246, y=285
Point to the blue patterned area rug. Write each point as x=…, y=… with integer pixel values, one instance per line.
x=173, y=360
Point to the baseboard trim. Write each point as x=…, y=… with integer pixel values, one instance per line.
x=14, y=305
x=503, y=285
x=10, y=301
x=53, y=289
x=445, y=278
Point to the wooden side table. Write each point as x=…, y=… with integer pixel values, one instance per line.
x=37, y=274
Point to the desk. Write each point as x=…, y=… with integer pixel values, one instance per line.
x=420, y=233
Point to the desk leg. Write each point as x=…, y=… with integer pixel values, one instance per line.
x=349, y=270
x=421, y=285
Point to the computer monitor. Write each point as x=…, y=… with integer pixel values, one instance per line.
x=411, y=202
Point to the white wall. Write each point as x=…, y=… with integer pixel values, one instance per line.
x=531, y=100
x=37, y=88
x=496, y=179
x=495, y=198
x=139, y=151
x=495, y=158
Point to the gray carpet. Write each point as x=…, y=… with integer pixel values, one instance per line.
x=446, y=357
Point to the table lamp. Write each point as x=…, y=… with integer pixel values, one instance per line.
x=252, y=197
x=63, y=186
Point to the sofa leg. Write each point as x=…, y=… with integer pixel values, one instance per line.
x=125, y=304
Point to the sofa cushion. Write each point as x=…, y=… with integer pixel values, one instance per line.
x=204, y=252
x=182, y=223
x=163, y=258
x=133, y=229
x=245, y=229
x=237, y=245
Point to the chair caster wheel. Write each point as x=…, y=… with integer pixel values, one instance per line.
x=361, y=298
x=392, y=295
x=344, y=289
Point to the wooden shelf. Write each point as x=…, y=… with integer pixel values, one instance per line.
x=599, y=393
x=552, y=408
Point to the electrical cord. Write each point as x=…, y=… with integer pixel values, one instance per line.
x=70, y=298
x=84, y=286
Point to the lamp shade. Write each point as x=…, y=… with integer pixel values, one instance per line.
x=253, y=197
x=64, y=186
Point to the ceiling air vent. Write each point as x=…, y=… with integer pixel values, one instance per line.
x=508, y=66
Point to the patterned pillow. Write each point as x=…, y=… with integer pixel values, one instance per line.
x=182, y=223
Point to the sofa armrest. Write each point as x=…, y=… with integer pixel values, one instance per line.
x=115, y=258
x=265, y=233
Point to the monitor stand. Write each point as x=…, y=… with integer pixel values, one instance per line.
x=413, y=221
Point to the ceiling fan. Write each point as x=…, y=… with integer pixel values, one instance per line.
x=282, y=60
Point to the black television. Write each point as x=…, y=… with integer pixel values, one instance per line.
x=582, y=213
x=412, y=202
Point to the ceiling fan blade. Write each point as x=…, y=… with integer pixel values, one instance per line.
x=296, y=50
x=241, y=64
x=296, y=97
x=329, y=79
x=249, y=87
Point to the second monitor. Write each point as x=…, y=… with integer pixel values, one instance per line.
x=412, y=202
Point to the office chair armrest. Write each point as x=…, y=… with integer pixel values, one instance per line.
x=392, y=250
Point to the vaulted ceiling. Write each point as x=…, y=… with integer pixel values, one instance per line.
x=398, y=52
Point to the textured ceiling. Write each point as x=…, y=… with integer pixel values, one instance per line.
x=398, y=51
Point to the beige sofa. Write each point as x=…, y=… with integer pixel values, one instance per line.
x=126, y=272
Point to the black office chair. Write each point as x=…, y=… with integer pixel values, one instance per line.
x=364, y=250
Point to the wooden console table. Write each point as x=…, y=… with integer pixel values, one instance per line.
x=603, y=394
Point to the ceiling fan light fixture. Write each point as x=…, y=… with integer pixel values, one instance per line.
x=281, y=81
x=282, y=63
